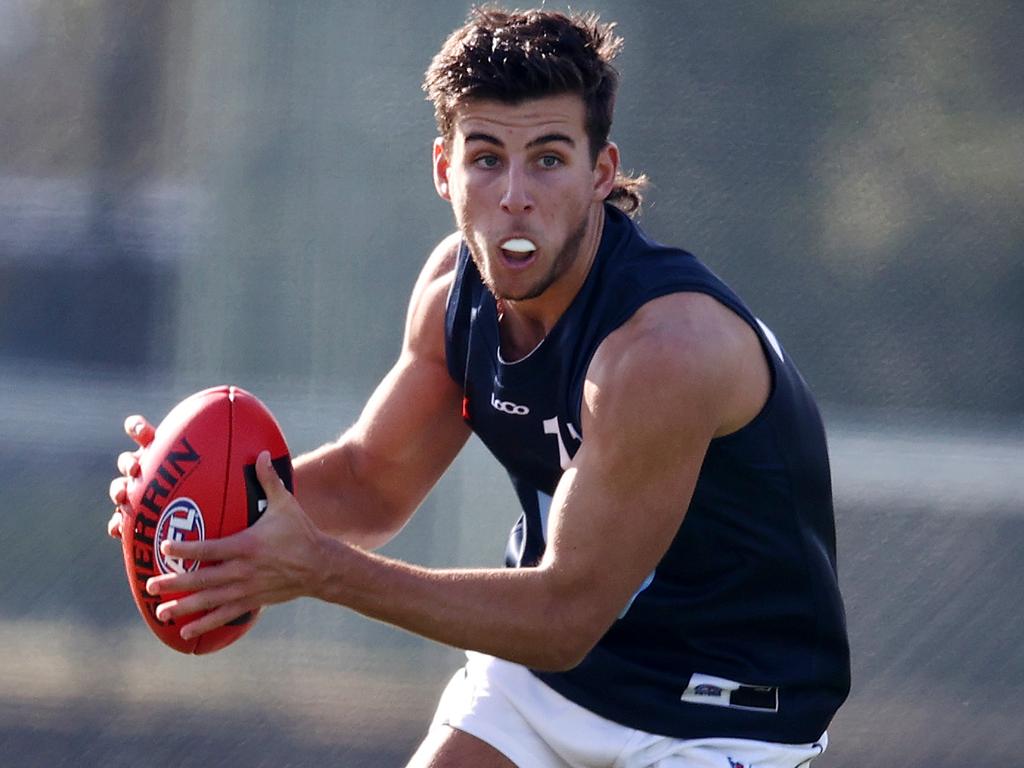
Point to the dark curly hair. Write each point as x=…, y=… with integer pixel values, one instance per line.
x=512, y=56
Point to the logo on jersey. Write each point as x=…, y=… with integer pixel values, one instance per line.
x=182, y=520
x=506, y=406
x=719, y=692
x=707, y=690
x=734, y=764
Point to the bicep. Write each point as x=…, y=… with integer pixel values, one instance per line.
x=617, y=509
x=411, y=428
x=409, y=432
x=648, y=418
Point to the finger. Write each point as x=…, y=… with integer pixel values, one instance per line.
x=216, y=618
x=114, y=524
x=198, y=602
x=194, y=581
x=119, y=490
x=128, y=464
x=228, y=548
x=139, y=430
x=272, y=483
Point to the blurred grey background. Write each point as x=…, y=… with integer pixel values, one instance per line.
x=195, y=193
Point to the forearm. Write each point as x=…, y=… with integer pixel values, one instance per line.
x=522, y=615
x=340, y=502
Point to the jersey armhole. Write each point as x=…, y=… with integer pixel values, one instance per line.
x=455, y=349
x=771, y=351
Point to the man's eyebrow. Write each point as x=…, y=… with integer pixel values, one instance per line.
x=485, y=137
x=547, y=138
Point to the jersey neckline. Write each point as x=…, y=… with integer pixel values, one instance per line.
x=609, y=241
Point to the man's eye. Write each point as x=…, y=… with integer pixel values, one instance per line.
x=550, y=161
x=486, y=161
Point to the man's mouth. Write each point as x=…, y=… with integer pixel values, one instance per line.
x=518, y=249
x=519, y=245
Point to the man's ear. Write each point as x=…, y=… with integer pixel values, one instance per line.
x=441, y=169
x=606, y=167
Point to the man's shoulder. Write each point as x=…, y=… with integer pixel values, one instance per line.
x=430, y=294
x=635, y=267
x=685, y=347
x=438, y=271
x=444, y=256
x=683, y=328
x=664, y=302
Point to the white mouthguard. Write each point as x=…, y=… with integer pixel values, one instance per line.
x=519, y=245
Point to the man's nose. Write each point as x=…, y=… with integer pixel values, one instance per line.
x=516, y=198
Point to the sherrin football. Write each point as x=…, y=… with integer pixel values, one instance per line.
x=198, y=481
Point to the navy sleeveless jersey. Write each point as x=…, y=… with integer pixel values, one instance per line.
x=740, y=631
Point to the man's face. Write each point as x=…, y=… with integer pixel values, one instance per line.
x=523, y=188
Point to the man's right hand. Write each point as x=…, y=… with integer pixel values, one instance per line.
x=141, y=431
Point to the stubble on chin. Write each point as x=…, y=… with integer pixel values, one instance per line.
x=567, y=256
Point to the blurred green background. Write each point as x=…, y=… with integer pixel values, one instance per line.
x=194, y=193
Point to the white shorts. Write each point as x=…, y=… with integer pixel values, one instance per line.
x=506, y=706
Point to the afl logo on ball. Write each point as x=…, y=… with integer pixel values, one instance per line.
x=182, y=520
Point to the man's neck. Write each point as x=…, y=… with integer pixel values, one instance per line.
x=524, y=324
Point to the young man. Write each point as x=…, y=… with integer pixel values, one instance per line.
x=670, y=597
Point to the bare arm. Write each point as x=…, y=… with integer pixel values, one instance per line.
x=366, y=485
x=653, y=402
x=658, y=390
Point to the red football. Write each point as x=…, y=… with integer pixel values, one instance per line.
x=198, y=481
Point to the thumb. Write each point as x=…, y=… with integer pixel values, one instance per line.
x=272, y=483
